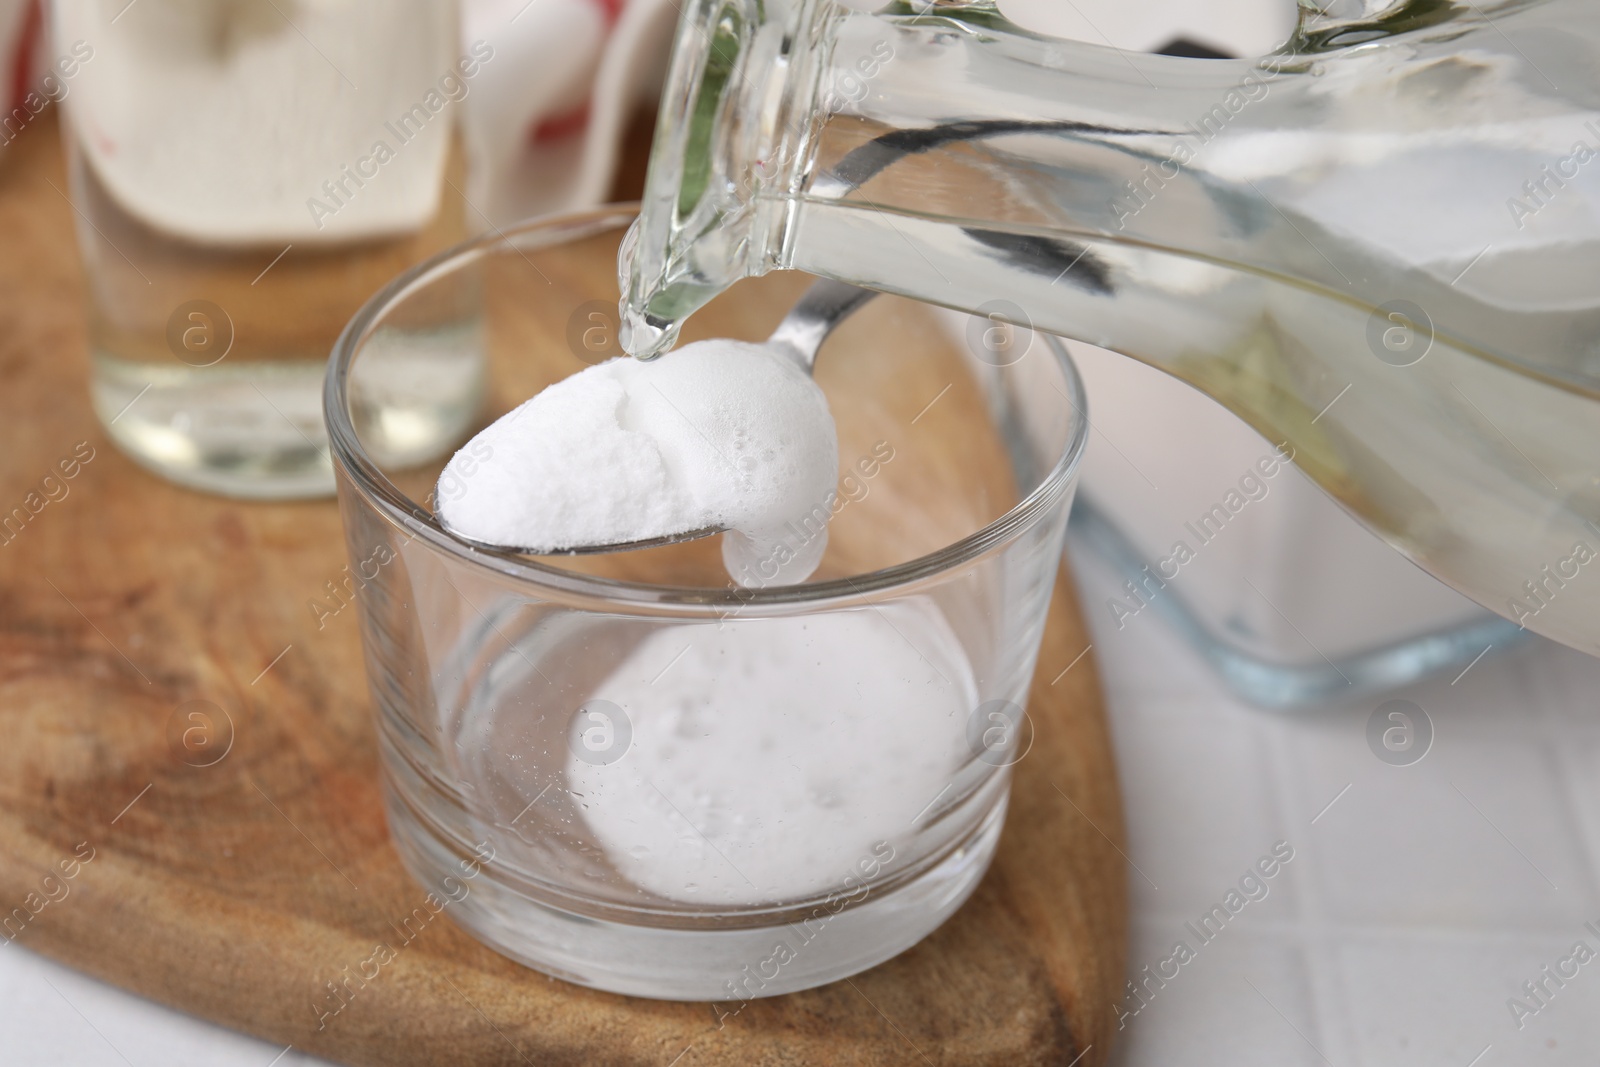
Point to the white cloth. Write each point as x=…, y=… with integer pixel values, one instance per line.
x=544, y=124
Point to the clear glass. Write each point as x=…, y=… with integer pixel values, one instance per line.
x=1375, y=245
x=671, y=776
x=243, y=179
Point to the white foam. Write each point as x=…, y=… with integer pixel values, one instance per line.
x=771, y=756
x=717, y=433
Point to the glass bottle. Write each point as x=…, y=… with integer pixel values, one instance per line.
x=244, y=175
x=1377, y=245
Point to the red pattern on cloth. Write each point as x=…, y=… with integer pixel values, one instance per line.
x=556, y=127
x=567, y=124
x=22, y=72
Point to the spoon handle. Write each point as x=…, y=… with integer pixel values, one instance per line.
x=813, y=317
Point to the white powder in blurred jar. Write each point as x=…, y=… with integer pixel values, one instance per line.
x=230, y=121
x=714, y=434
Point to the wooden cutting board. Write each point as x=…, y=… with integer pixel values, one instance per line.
x=236, y=890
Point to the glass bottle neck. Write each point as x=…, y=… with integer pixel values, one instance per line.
x=771, y=105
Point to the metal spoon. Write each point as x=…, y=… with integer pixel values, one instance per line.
x=801, y=333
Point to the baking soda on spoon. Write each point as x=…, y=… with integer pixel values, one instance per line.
x=717, y=433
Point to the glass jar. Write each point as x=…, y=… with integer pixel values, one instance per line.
x=662, y=784
x=244, y=176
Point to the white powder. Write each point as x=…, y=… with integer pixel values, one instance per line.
x=768, y=757
x=717, y=433
x=217, y=120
